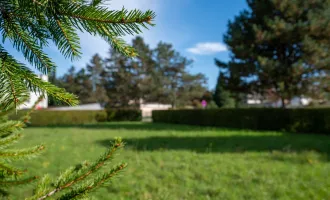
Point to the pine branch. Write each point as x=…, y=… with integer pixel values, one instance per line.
x=12, y=91
x=9, y=170
x=10, y=127
x=27, y=116
x=5, y=142
x=69, y=178
x=65, y=38
x=42, y=187
x=17, y=182
x=83, y=190
x=25, y=44
x=118, y=43
x=31, y=81
x=102, y=15
x=22, y=153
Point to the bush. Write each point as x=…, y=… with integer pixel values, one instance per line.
x=124, y=115
x=293, y=120
x=101, y=116
x=50, y=118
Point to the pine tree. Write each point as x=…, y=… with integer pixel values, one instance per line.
x=279, y=45
x=77, y=83
x=221, y=96
x=29, y=25
x=95, y=70
x=121, y=81
x=192, y=87
x=149, y=84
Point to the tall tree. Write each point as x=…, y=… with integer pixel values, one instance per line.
x=281, y=45
x=170, y=66
x=95, y=70
x=149, y=84
x=77, y=83
x=29, y=26
x=221, y=96
x=192, y=87
x=121, y=81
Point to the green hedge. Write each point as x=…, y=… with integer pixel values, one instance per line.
x=124, y=115
x=293, y=120
x=53, y=118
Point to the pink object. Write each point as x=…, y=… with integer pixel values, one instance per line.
x=204, y=103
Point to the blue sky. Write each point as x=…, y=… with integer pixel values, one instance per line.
x=194, y=27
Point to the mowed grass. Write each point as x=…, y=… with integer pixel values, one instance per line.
x=186, y=162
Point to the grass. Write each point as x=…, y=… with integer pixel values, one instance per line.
x=184, y=162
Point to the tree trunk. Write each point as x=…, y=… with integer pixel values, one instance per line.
x=283, y=102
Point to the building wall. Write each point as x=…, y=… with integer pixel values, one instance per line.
x=91, y=106
x=149, y=107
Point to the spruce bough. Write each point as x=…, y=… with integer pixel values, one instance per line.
x=29, y=25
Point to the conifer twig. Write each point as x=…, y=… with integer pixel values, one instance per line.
x=118, y=144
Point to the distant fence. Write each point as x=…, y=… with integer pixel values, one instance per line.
x=293, y=120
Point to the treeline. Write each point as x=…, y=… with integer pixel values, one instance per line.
x=279, y=50
x=155, y=75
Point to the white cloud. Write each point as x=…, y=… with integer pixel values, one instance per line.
x=207, y=48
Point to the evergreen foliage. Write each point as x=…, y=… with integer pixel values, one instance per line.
x=156, y=75
x=280, y=46
x=29, y=25
x=221, y=96
x=95, y=70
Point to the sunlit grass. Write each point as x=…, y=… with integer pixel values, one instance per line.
x=184, y=162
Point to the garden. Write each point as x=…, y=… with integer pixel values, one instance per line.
x=257, y=127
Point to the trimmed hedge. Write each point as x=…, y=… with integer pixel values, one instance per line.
x=293, y=120
x=124, y=115
x=53, y=118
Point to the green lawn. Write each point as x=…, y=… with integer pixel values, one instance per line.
x=184, y=162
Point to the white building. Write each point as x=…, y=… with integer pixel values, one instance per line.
x=34, y=97
x=147, y=108
x=91, y=106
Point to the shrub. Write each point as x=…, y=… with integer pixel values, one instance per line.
x=50, y=118
x=101, y=116
x=293, y=120
x=124, y=115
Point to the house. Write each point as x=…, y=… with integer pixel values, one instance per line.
x=34, y=97
x=298, y=101
x=147, y=108
x=253, y=99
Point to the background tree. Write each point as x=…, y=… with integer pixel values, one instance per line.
x=172, y=75
x=192, y=87
x=121, y=80
x=156, y=75
x=280, y=45
x=149, y=85
x=29, y=26
x=95, y=70
x=77, y=83
x=221, y=96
